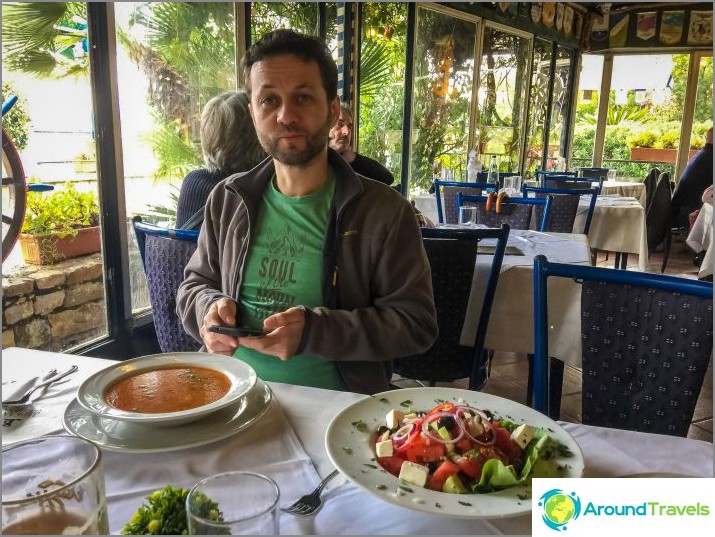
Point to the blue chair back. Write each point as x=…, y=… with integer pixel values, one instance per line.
x=516, y=212
x=646, y=345
x=165, y=253
x=541, y=173
x=564, y=207
x=452, y=255
x=564, y=181
x=447, y=191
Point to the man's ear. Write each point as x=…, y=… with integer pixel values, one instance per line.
x=335, y=109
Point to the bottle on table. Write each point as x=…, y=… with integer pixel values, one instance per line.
x=493, y=173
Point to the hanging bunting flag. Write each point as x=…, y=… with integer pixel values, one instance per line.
x=701, y=28
x=560, y=17
x=536, y=9
x=599, y=30
x=568, y=20
x=671, y=27
x=619, y=31
x=578, y=25
x=549, y=13
x=645, y=28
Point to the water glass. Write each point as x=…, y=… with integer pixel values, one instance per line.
x=467, y=216
x=611, y=175
x=512, y=184
x=53, y=485
x=247, y=505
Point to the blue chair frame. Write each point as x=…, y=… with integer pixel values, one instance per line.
x=141, y=230
x=546, y=202
x=537, y=173
x=594, y=173
x=478, y=359
x=573, y=191
x=543, y=269
x=572, y=179
x=438, y=193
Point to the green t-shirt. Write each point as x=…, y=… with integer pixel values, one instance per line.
x=283, y=269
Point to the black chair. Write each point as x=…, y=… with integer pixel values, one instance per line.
x=542, y=173
x=567, y=181
x=516, y=212
x=452, y=255
x=165, y=253
x=564, y=207
x=646, y=346
x=594, y=173
x=649, y=182
x=449, y=190
x=658, y=218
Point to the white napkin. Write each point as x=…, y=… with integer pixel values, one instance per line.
x=268, y=447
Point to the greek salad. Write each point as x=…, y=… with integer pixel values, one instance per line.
x=457, y=448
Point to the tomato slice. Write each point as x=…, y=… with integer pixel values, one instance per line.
x=471, y=466
x=440, y=475
x=424, y=454
x=391, y=464
x=444, y=407
x=463, y=445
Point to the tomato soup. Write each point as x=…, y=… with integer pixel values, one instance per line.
x=168, y=389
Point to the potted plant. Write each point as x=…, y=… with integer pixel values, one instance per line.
x=58, y=226
x=650, y=146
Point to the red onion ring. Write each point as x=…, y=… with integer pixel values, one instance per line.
x=435, y=417
x=486, y=423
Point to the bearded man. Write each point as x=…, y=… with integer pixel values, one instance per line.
x=330, y=264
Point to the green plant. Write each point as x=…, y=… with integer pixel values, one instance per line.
x=62, y=212
x=16, y=122
x=643, y=139
x=668, y=140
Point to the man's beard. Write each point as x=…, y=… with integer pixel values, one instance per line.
x=315, y=144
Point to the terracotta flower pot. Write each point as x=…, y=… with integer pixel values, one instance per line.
x=49, y=249
x=651, y=154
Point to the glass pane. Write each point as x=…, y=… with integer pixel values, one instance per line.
x=645, y=111
x=503, y=83
x=703, y=115
x=172, y=58
x=589, y=89
x=299, y=16
x=382, y=83
x=538, y=106
x=60, y=304
x=444, y=72
x=560, y=102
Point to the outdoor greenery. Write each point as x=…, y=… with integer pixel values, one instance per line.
x=17, y=121
x=62, y=212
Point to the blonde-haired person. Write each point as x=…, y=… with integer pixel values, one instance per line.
x=229, y=144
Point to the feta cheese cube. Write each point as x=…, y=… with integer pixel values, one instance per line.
x=394, y=419
x=414, y=473
x=474, y=426
x=384, y=448
x=523, y=434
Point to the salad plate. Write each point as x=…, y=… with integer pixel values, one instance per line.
x=348, y=443
x=240, y=376
x=124, y=436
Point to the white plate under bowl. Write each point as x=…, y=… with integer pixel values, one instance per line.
x=123, y=436
x=91, y=393
x=350, y=451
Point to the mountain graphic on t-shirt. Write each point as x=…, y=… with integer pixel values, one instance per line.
x=286, y=244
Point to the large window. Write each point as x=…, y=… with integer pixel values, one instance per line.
x=582, y=145
x=503, y=83
x=442, y=95
x=298, y=16
x=560, y=106
x=538, y=106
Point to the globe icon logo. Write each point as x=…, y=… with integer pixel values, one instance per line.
x=559, y=508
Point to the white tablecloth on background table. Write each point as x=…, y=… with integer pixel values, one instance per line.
x=291, y=434
x=618, y=225
x=625, y=189
x=701, y=238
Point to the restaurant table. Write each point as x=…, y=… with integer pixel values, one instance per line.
x=618, y=225
x=701, y=238
x=288, y=444
x=625, y=189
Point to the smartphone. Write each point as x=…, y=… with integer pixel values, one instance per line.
x=237, y=331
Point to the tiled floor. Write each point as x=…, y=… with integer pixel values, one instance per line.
x=509, y=370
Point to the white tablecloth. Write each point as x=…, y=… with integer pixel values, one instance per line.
x=625, y=189
x=701, y=238
x=511, y=322
x=618, y=225
x=307, y=413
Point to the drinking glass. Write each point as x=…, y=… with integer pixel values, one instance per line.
x=467, y=216
x=247, y=505
x=512, y=185
x=53, y=485
x=611, y=175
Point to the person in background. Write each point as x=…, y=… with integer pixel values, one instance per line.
x=696, y=177
x=341, y=140
x=329, y=263
x=229, y=144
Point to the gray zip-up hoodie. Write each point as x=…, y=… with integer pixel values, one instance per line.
x=377, y=285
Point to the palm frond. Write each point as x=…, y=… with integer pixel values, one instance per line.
x=375, y=68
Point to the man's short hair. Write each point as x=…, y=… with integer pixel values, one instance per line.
x=228, y=137
x=307, y=48
x=345, y=108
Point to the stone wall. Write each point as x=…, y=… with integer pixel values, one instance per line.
x=54, y=307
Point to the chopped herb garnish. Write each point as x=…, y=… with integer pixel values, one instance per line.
x=522, y=496
x=384, y=400
x=370, y=465
x=438, y=505
x=360, y=426
x=405, y=488
x=348, y=450
x=464, y=503
x=381, y=487
x=406, y=403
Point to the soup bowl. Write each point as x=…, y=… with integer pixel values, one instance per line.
x=166, y=389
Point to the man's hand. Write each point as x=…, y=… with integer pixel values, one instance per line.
x=286, y=331
x=223, y=313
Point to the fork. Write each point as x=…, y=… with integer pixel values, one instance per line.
x=26, y=397
x=310, y=503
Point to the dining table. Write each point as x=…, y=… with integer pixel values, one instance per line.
x=288, y=443
x=618, y=225
x=625, y=189
x=700, y=239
